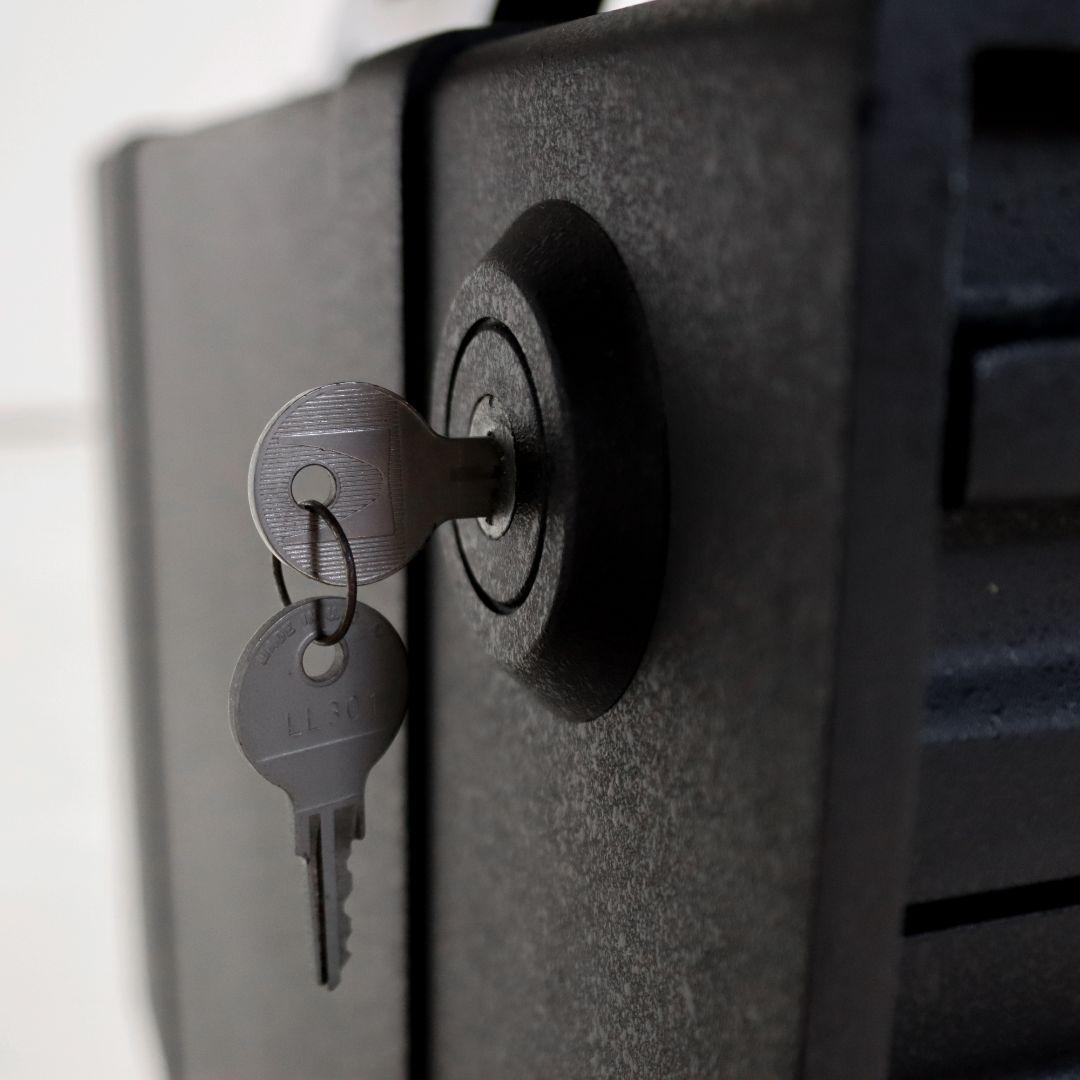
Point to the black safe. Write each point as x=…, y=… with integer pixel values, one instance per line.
x=827, y=828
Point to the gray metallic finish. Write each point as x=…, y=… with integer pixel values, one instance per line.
x=395, y=480
x=490, y=420
x=318, y=738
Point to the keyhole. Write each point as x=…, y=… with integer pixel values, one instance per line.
x=314, y=482
x=323, y=663
x=489, y=419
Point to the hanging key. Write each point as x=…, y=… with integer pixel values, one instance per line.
x=317, y=737
x=393, y=480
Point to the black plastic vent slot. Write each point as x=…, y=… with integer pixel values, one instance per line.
x=935, y=916
x=1020, y=280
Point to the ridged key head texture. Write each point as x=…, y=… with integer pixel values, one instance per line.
x=356, y=431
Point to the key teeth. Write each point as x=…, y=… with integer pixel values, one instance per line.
x=342, y=823
x=345, y=886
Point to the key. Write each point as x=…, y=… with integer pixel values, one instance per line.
x=394, y=480
x=318, y=738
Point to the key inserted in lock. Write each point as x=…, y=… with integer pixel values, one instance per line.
x=553, y=467
x=394, y=480
x=547, y=339
x=492, y=394
x=491, y=421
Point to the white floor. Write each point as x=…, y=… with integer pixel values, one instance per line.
x=77, y=79
x=72, y=993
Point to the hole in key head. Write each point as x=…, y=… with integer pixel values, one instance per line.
x=323, y=663
x=316, y=483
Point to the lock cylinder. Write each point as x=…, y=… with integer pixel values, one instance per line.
x=546, y=351
x=491, y=394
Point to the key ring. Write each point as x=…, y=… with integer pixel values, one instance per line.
x=324, y=512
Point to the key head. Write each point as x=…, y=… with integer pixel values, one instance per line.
x=394, y=480
x=318, y=738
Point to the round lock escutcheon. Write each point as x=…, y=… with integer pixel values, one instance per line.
x=546, y=351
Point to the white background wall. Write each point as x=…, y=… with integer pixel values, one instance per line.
x=77, y=77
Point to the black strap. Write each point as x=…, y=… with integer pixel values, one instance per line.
x=543, y=11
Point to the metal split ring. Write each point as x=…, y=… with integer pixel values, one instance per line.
x=325, y=513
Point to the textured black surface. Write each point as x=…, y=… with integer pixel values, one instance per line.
x=1022, y=204
x=903, y=316
x=252, y=288
x=988, y=976
x=1020, y=286
x=633, y=897
x=1025, y=442
x=1002, y=728
x=998, y=1000
x=707, y=881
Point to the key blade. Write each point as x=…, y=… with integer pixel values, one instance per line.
x=318, y=740
x=324, y=839
x=310, y=849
